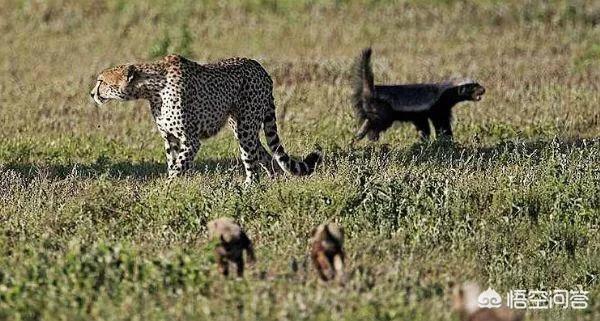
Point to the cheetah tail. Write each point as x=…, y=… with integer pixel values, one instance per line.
x=288, y=164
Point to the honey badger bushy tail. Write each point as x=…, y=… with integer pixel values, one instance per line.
x=288, y=164
x=362, y=83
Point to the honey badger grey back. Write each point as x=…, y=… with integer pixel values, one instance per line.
x=378, y=107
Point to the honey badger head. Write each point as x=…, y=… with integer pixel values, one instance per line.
x=331, y=235
x=328, y=238
x=470, y=90
x=224, y=229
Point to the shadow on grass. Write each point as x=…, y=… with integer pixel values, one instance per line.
x=447, y=153
x=103, y=166
x=436, y=153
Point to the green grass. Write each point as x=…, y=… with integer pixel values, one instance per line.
x=91, y=230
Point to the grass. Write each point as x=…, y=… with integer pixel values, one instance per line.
x=90, y=229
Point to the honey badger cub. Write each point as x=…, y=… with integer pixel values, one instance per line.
x=466, y=304
x=232, y=241
x=327, y=251
x=378, y=107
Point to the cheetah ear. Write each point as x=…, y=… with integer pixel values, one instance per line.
x=130, y=73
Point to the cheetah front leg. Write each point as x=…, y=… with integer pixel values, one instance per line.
x=180, y=154
x=171, y=150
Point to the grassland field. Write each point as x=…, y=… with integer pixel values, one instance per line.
x=91, y=230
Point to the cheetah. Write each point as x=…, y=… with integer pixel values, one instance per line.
x=190, y=102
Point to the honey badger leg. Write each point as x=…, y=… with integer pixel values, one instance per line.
x=423, y=129
x=323, y=266
x=239, y=264
x=373, y=135
x=362, y=131
x=442, y=125
x=222, y=262
x=247, y=245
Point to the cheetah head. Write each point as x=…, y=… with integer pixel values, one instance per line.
x=114, y=83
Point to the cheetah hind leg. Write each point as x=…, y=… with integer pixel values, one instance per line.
x=267, y=162
x=249, y=158
x=250, y=149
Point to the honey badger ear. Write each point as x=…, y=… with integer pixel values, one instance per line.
x=462, y=90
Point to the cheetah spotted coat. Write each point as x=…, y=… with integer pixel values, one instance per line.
x=191, y=102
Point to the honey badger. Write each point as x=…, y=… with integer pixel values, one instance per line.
x=232, y=241
x=378, y=107
x=327, y=251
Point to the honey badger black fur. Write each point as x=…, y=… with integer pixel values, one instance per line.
x=378, y=107
x=232, y=242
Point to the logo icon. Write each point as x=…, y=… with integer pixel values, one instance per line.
x=489, y=299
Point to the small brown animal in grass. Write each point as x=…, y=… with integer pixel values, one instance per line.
x=232, y=241
x=465, y=303
x=327, y=251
